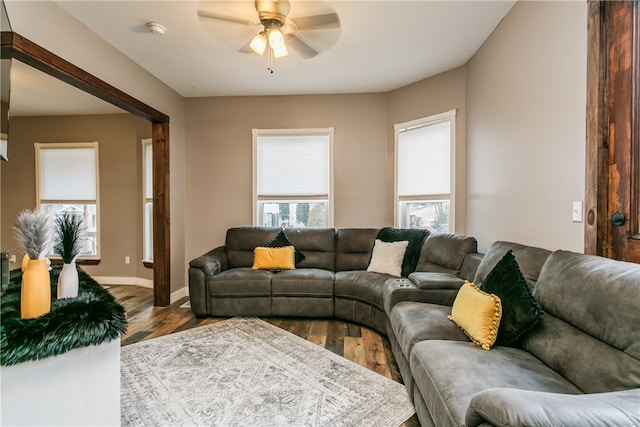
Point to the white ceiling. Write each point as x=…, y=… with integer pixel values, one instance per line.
x=380, y=45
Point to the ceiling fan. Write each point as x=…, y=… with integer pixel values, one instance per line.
x=279, y=32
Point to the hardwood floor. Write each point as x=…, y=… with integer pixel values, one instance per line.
x=359, y=344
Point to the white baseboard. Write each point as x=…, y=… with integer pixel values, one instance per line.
x=136, y=281
x=184, y=292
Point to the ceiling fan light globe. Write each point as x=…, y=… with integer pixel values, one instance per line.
x=280, y=52
x=276, y=39
x=258, y=43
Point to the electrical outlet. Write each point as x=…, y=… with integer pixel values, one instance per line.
x=127, y=260
x=12, y=258
x=576, y=211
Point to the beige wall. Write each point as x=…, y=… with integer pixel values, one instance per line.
x=526, y=103
x=219, y=153
x=120, y=162
x=47, y=25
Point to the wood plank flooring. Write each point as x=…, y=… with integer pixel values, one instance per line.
x=357, y=343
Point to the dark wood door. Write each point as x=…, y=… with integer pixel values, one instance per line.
x=613, y=142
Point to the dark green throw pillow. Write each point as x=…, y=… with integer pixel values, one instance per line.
x=282, y=240
x=414, y=236
x=520, y=311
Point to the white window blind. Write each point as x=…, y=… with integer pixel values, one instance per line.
x=67, y=173
x=293, y=177
x=293, y=165
x=424, y=160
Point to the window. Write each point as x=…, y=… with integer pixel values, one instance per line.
x=147, y=200
x=67, y=181
x=293, y=177
x=425, y=154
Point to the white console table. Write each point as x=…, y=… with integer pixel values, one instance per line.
x=77, y=388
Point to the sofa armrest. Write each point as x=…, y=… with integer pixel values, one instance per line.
x=512, y=407
x=470, y=265
x=201, y=270
x=433, y=288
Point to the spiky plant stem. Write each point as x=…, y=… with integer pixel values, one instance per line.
x=34, y=233
x=70, y=235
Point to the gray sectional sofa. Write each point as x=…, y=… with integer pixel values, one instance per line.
x=579, y=366
x=331, y=281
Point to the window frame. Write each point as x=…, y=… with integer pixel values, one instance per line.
x=256, y=134
x=145, y=259
x=38, y=146
x=451, y=196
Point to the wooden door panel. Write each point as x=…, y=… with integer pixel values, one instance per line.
x=613, y=142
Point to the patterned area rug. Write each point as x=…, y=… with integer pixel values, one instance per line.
x=247, y=372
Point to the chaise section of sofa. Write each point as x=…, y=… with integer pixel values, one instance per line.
x=579, y=366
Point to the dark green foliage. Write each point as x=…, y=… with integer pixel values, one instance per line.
x=94, y=317
x=70, y=234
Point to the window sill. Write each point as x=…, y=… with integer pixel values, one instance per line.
x=89, y=261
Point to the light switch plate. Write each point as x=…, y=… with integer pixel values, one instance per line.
x=576, y=211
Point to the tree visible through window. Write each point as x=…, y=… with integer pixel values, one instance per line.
x=293, y=177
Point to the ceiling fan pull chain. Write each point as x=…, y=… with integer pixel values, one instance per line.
x=270, y=61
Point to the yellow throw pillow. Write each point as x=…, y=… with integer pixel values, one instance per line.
x=478, y=314
x=274, y=258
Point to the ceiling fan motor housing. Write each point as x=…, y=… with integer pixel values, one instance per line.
x=272, y=11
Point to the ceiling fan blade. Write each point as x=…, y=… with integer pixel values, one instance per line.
x=212, y=15
x=301, y=47
x=317, y=22
x=246, y=48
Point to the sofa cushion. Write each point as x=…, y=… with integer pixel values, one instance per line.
x=363, y=286
x=281, y=240
x=450, y=373
x=241, y=241
x=274, y=259
x=415, y=238
x=354, y=247
x=387, y=257
x=241, y=282
x=592, y=313
x=412, y=322
x=529, y=258
x=317, y=244
x=520, y=311
x=303, y=282
x=445, y=252
x=478, y=314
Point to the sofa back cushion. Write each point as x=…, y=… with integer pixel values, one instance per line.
x=354, y=247
x=444, y=253
x=529, y=258
x=589, y=332
x=317, y=245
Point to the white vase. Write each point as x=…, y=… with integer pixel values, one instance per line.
x=68, y=281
